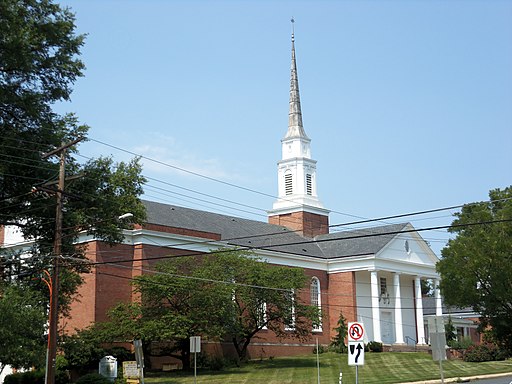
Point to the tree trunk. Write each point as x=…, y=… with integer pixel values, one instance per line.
x=241, y=347
x=185, y=353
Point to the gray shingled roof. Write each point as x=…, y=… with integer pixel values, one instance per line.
x=429, y=308
x=359, y=241
x=251, y=233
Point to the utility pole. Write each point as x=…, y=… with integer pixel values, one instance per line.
x=57, y=251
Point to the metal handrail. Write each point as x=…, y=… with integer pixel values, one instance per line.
x=407, y=338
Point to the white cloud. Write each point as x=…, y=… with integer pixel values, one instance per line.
x=165, y=155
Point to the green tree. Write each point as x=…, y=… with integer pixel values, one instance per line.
x=39, y=63
x=21, y=327
x=172, y=309
x=84, y=349
x=450, y=332
x=264, y=297
x=338, y=340
x=224, y=295
x=476, y=267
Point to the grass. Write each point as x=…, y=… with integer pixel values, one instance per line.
x=379, y=368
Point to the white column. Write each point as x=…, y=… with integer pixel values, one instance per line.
x=375, y=307
x=419, y=311
x=399, y=328
x=439, y=304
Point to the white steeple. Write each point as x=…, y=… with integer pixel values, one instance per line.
x=297, y=190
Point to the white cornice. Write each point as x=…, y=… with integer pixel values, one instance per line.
x=331, y=266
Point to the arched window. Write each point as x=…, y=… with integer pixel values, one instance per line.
x=316, y=300
x=262, y=315
x=290, y=315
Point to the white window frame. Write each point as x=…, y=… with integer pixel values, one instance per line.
x=291, y=325
x=262, y=314
x=316, y=299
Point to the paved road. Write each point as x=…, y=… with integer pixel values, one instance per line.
x=497, y=380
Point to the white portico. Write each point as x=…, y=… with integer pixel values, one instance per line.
x=388, y=264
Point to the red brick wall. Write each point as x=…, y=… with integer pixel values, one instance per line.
x=109, y=281
x=114, y=277
x=83, y=308
x=305, y=223
x=2, y=234
x=342, y=297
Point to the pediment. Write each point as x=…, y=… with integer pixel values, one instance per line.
x=408, y=247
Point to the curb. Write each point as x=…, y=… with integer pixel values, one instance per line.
x=461, y=379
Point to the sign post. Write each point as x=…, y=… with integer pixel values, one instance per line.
x=438, y=341
x=356, y=346
x=139, y=357
x=195, y=348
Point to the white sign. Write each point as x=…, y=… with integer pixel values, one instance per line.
x=437, y=337
x=195, y=344
x=355, y=332
x=130, y=370
x=108, y=367
x=355, y=353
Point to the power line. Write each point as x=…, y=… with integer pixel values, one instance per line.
x=200, y=175
x=271, y=247
x=382, y=219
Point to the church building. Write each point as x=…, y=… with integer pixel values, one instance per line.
x=371, y=275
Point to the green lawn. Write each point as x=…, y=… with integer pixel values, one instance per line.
x=379, y=368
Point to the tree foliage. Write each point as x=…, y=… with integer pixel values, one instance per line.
x=450, y=332
x=228, y=295
x=476, y=268
x=21, y=327
x=265, y=297
x=39, y=63
x=338, y=340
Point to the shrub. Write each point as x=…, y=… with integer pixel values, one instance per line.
x=484, y=352
x=215, y=363
x=29, y=377
x=93, y=378
x=465, y=343
x=321, y=349
x=375, y=346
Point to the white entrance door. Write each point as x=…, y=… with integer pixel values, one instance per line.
x=386, y=326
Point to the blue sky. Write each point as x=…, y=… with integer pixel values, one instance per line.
x=408, y=103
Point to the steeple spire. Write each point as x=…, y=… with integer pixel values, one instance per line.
x=295, y=127
x=297, y=206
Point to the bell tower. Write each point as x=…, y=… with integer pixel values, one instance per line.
x=297, y=206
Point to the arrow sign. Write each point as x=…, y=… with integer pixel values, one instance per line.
x=359, y=348
x=355, y=353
